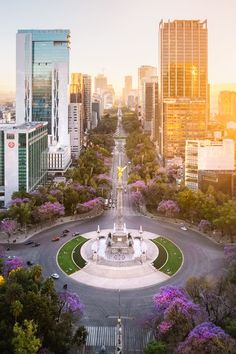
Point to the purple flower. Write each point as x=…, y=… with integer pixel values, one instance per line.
x=167, y=295
x=165, y=326
x=92, y=202
x=12, y=264
x=70, y=302
x=18, y=201
x=204, y=225
x=169, y=207
x=207, y=338
x=8, y=226
x=136, y=197
x=138, y=185
x=230, y=252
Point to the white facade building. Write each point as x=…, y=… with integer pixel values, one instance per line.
x=209, y=156
x=23, y=158
x=75, y=122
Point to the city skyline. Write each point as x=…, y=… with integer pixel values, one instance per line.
x=99, y=42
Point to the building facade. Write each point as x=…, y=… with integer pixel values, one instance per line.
x=75, y=122
x=150, y=104
x=127, y=89
x=87, y=94
x=210, y=163
x=100, y=83
x=144, y=72
x=183, y=83
x=42, y=78
x=23, y=158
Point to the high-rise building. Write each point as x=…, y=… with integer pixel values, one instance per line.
x=150, y=104
x=23, y=158
x=76, y=88
x=42, y=78
x=183, y=84
x=144, y=71
x=210, y=163
x=87, y=94
x=100, y=83
x=227, y=106
x=127, y=89
x=75, y=123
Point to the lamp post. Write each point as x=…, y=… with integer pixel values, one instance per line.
x=119, y=343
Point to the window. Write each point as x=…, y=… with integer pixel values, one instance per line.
x=10, y=136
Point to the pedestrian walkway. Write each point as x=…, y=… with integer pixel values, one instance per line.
x=134, y=339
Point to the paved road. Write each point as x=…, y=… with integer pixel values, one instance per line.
x=201, y=256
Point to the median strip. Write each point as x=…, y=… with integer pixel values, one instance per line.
x=170, y=257
x=65, y=256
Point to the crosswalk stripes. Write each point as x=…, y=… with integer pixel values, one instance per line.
x=134, y=339
x=97, y=336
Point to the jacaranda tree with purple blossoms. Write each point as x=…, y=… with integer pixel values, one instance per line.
x=8, y=226
x=12, y=264
x=204, y=225
x=49, y=211
x=70, y=302
x=207, y=338
x=168, y=207
x=176, y=315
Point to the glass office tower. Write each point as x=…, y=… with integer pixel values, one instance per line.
x=42, y=78
x=183, y=84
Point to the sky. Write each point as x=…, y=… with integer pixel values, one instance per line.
x=115, y=37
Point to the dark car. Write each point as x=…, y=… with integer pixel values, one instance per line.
x=36, y=244
x=29, y=242
x=29, y=263
x=66, y=231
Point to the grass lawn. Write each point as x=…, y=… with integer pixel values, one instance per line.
x=65, y=254
x=170, y=257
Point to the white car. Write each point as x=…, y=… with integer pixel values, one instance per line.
x=184, y=228
x=55, y=276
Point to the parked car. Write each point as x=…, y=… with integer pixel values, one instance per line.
x=29, y=242
x=57, y=238
x=184, y=228
x=29, y=263
x=36, y=244
x=55, y=276
x=66, y=231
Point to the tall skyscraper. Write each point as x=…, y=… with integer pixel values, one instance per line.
x=100, y=83
x=76, y=88
x=150, y=105
x=144, y=71
x=127, y=89
x=183, y=84
x=87, y=94
x=42, y=78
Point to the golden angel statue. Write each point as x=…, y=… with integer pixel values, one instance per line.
x=120, y=171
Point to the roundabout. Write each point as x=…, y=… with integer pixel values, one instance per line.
x=119, y=273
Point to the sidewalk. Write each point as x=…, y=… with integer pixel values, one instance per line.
x=22, y=236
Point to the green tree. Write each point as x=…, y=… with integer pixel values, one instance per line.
x=16, y=308
x=156, y=347
x=25, y=340
x=226, y=221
